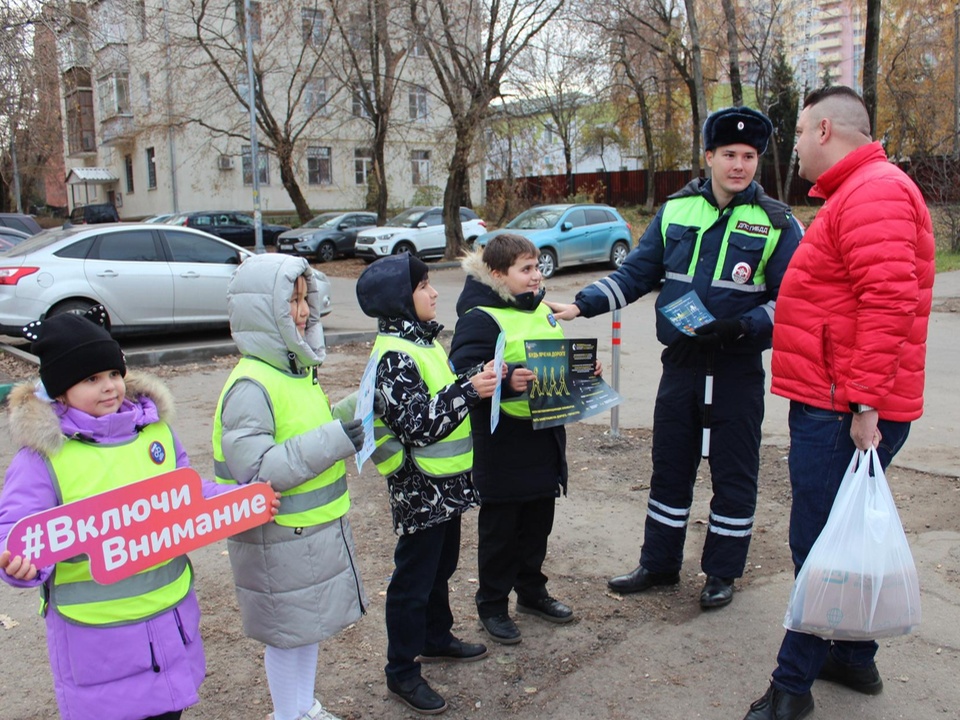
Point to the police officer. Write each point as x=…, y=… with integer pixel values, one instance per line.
x=724, y=238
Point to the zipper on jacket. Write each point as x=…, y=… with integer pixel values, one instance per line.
x=153, y=660
x=183, y=635
x=833, y=389
x=356, y=578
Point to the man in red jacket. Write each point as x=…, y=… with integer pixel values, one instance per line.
x=849, y=346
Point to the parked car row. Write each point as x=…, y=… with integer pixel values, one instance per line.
x=150, y=277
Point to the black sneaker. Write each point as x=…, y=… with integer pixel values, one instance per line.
x=417, y=695
x=456, y=651
x=547, y=608
x=502, y=629
x=864, y=680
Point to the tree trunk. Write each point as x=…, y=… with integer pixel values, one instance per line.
x=453, y=192
x=733, y=50
x=871, y=44
x=649, y=148
x=288, y=177
x=699, y=96
x=380, y=168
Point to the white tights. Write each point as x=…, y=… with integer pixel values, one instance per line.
x=291, y=675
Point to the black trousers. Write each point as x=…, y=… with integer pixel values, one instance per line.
x=512, y=547
x=167, y=716
x=418, y=598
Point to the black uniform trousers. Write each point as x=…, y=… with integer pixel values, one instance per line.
x=512, y=548
x=418, y=597
x=736, y=417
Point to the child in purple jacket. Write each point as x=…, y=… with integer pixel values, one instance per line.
x=120, y=661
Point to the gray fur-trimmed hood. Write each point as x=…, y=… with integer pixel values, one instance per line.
x=258, y=303
x=34, y=422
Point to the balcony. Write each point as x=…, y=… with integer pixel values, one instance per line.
x=116, y=129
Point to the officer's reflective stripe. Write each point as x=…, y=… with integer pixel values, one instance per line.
x=222, y=472
x=716, y=530
x=731, y=285
x=444, y=450
x=88, y=591
x=680, y=277
x=301, y=502
x=678, y=515
x=769, y=308
x=738, y=527
x=613, y=292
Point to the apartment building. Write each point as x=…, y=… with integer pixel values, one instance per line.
x=154, y=106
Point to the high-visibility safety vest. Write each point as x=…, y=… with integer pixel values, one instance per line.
x=519, y=326
x=448, y=457
x=299, y=404
x=748, y=227
x=81, y=469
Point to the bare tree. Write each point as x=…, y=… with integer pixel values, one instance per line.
x=733, y=51
x=372, y=62
x=471, y=44
x=291, y=88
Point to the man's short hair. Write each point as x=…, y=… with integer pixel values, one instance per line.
x=502, y=251
x=844, y=106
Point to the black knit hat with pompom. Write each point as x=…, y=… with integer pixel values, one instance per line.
x=73, y=347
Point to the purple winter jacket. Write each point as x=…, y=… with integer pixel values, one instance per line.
x=103, y=673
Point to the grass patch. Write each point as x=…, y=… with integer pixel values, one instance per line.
x=947, y=261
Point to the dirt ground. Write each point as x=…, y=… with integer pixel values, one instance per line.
x=597, y=534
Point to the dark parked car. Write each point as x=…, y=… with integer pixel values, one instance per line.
x=94, y=214
x=326, y=236
x=236, y=227
x=23, y=223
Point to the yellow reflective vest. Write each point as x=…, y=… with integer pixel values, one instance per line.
x=81, y=469
x=448, y=457
x=519, y=326
x=299, y=405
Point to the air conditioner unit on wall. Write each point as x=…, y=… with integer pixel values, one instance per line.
x=225, y=162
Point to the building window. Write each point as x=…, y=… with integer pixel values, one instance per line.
x=151, y=169
x=318, y=166
x=358, y=32
x=417, y=47
x=78, y=97
x=362, y=164
x=145, y=91
x=420, y=166
x=262, y=163
x=314, y=32
x=128, y=168
x=315, y=97
x=141, y=13
x=360, y=107
x=255, y=16
x=113, y=92
x=418, y=103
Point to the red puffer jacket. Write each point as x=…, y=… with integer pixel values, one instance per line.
x=851, y=318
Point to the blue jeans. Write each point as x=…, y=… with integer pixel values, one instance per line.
x=820, y=451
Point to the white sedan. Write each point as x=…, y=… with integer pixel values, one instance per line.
x=150, y=277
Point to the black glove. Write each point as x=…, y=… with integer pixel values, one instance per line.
x=721, y=333
x=682, y=352
x=354, y=431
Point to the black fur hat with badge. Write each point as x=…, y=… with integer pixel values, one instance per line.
x=733, y=125
x=73, y=347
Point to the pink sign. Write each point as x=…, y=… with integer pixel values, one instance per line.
x=129, y=529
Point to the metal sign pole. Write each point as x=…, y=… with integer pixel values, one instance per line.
x=615, y=374
x=252, y=105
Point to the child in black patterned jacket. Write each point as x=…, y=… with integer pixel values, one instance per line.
x=425, y=451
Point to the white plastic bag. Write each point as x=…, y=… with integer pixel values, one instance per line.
x=859, y=581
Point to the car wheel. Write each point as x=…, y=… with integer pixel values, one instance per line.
x=76, y=307
x=404, y=247
x=548, y=263
x=326, y=252
x=618, y=253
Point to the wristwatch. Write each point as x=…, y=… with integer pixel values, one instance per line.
x=857, y=408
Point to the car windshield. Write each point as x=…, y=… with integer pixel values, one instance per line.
x=408, y=218
x=536, y=219
x=325, y=220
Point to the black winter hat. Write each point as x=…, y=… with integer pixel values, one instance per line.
x=737, y=125
x=385, y=288
x=418, y=271
x=73, y=347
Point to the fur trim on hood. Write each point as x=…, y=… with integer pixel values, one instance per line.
x=34, y=424
x=474, y=266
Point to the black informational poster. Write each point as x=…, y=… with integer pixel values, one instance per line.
x=565, y=389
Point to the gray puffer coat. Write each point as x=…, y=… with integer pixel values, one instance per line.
x=295, y=586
